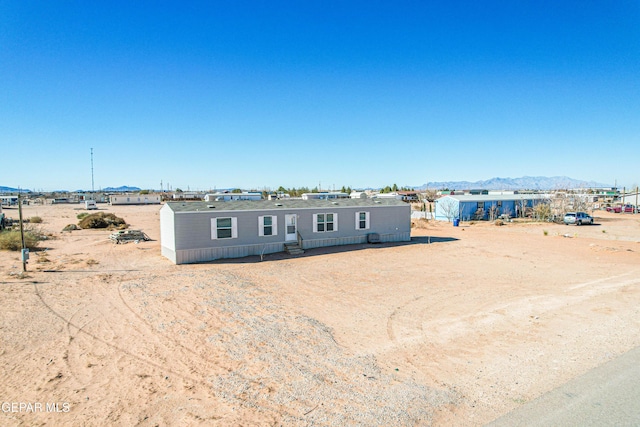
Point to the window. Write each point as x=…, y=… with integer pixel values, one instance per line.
x=499, y=203
x=480, y=205
x=325, y=222
x=224, y=228
x=362, y=220
x=267, y=225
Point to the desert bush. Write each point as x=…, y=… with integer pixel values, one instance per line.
x=82, y=215
x=12, y=240
x=70, y=227
x=35, y=220
x=545, y=232
x=499, y=222
x=419, y=223
x=542, y=212
x=102, y=220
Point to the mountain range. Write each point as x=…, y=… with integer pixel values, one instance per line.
x=523, y=183
x=121, y=189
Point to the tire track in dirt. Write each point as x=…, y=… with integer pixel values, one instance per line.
x=391, y=320
x=119, y=349
x=163, y=338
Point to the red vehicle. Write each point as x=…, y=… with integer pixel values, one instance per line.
x=625, y=209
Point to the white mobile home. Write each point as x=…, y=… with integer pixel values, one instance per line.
x=227, y=197
x=205, y=231
x=324, y=196
x=137, y=199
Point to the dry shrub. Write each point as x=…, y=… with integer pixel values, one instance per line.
x=35, y=220
x=419, y=223
x=11, y=240
x=499, y=222
x=70, y=227
x=102, y=220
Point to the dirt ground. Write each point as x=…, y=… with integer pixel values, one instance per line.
x=458, y=327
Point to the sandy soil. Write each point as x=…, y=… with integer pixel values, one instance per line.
x=458, y=327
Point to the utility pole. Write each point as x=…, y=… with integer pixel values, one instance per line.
x=92, y=186
x=25, y=251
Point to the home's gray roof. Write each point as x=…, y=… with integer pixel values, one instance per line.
x=284, y=204
x=492, y=197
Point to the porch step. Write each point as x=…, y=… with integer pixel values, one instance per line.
x=293, y=249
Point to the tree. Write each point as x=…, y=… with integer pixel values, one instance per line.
x=449, y=207
x=236, y=190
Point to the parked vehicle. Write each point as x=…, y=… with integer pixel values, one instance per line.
x=578, y=218
x=615, y=209
x=629, y=209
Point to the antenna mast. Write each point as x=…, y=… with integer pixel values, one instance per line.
x=92, y=189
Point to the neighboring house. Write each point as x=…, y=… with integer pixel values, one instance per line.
x=138, y=199
x=226, y=197
x=8, y=200
x=409, y=196
x=387, y=196
x=187, y=196
x=325, y=195
x=478, y=207
x=204, y=231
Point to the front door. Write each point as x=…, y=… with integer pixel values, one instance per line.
x=291, y=228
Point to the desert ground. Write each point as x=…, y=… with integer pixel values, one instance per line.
x=458, y=327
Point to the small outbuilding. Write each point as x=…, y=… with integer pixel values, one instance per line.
x=205, y=231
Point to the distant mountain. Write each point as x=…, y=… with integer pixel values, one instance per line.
x=523, y=183
x=123, y=189
x=13, y=190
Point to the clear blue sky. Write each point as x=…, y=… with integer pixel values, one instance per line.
x=219, y=94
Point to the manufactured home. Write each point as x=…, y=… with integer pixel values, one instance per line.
x=324, y=195
x=227, y=197
x=137, y=199
x=8, y=200
x=205, y=231
x=482, y=206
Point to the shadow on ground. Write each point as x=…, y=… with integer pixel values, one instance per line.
x=419, y=240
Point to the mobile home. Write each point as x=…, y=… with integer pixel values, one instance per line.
x=227, y=197
x=138, y=199
x=205, y=231
x=478, y=207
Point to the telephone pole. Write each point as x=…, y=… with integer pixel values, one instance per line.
x=92, y=187
x=25, y=251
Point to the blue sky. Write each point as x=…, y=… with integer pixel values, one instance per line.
x=221, y=94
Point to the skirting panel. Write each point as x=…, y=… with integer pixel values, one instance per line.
x=190, y=256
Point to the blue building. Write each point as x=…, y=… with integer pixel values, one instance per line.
x=485, y=206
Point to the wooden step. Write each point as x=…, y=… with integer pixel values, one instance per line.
x=293, y=249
